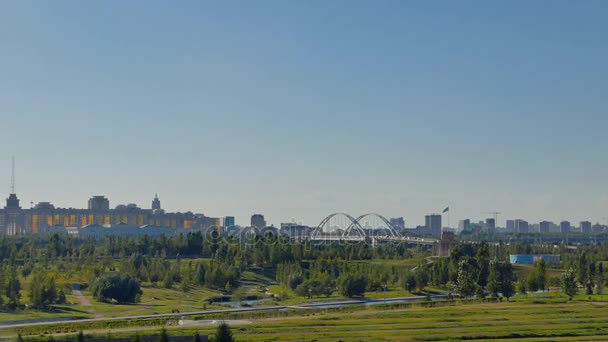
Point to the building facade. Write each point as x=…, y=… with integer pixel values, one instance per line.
x=258, y=221
x=564, y=227
x=433, y=223
x=44, y=217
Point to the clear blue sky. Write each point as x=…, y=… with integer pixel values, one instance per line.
x=297, y=109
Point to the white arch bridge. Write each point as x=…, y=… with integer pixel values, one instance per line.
x=371, y=227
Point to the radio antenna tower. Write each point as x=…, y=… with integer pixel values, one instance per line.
x=13, y=175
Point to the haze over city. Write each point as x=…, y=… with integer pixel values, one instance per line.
x=300, y=109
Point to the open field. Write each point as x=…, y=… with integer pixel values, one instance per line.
x=542, y=317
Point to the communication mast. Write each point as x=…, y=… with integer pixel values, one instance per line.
x=13, y=175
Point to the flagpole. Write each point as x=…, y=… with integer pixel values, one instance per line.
x=449, y=218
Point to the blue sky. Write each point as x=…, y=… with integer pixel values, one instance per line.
x=297, y=109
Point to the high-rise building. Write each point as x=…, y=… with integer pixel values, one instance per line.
x=433, y=224
x=564, y=227
x=99, y=203
x=258, y=221
x=490, y=225
x=585, y=227
x=544, y=227
x=229, y=221
x=510, y=226
x=156, y=203
x=597, y=228
x=398, y=222
x=464, y=226
x=522, y=226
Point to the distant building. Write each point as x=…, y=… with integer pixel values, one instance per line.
x=99, y=203
x=527, y=259
x=464, y=226
x=258, y=221
x=44, y=206
x=156, y=203
x=293, y=229
x=398, y=222
x=12, y=220
x=229, y=221
x=433, y=224
x=511, y=226
x=522, y=226
x=45, y=217
x=564, y=227
x=597, y=228
x=544, y=227
x=490, y=226
x=585, y=227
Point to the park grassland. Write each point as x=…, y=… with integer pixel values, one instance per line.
x=548, y=317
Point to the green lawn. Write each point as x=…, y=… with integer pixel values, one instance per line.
x=521, y=320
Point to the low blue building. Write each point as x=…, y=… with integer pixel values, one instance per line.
x=529, y=259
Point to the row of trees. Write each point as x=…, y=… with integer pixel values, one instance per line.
x=269, y=250
x=325, y=276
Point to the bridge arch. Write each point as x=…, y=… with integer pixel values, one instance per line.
x=356, y=226
x=323, y=226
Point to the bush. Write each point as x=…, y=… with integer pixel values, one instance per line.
x=121, y=288
x=353, y=285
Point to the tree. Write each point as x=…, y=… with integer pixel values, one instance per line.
x=521, y=286
x=533, y=282
x=13, y=286
x=583, y=269
x=168, y=281
x=466, y=284
x=541, y=274
x=164, y=337
x=353, y=285
x=591, y=280
x=43, y=290
x=223, y=333
x=483, y=261
x=121, y=288
x=295, y=280
x=422, y=277
x=569, y=283
x=506, y=280
x=410, y=282
x=493, y=278
x=600, y=279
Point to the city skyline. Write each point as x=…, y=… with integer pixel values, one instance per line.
x=155, y=205
x=296, y=111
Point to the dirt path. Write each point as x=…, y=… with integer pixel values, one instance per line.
x=84, y=301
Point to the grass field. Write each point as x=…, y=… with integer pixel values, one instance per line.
x=498, y=321
x=539, y=317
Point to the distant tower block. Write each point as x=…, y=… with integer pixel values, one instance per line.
x=156, y=203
